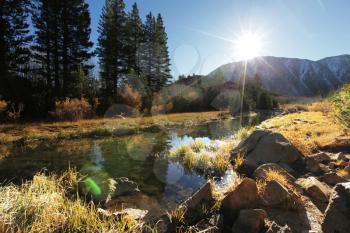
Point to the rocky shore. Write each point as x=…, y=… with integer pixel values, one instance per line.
x=280, y=190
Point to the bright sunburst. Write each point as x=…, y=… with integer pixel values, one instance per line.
x=248, y=45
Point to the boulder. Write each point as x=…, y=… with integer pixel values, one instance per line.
x=275, y=194
x=244, y=196
x=315, y=189
x=264, y=146
x=124, y=186
x=204, y=194
x=332, y=178
x=260, y=172
x=275, y=228
x=250, y=221
x=337, y=215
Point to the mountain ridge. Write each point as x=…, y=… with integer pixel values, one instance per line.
x=292, y=76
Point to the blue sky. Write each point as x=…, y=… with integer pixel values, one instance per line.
x=200, y=31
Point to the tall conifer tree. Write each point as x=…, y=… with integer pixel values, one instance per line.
x=14, y=46
x=112, y=46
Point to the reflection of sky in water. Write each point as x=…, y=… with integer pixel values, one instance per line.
x=175, y=141
x=96, y=156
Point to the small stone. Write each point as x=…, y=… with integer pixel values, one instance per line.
x=250, y=221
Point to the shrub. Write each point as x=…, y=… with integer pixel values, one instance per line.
x=72, y=109
x=131, y=97
x=341, y=104
x=3, y=108
x=321, y=106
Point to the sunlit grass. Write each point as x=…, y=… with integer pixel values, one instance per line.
x=238, y=161
x=32, y=133
x=344, y=173
x=197, y=145
x=307, y=131
x=51, y=204
x=177, y=216
x=214, y=156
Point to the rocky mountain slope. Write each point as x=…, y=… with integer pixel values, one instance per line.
x=292, y=76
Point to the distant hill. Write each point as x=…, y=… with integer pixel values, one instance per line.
x=291, y=76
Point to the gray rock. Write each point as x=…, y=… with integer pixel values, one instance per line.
x=124, y=186
x=261, y=171
x=136, y=214
x=333, y=178
x=250, y=221
x=204, y=194
x=244, y=196
x=275, y=194
x=263, y=147
x=315, y=189
x=337, y=215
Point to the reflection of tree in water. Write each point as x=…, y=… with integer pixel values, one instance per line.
x=134, y=157
x=23, y=163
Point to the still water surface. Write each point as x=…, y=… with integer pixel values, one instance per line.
x=141, y=158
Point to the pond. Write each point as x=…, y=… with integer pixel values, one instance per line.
x=140, y=158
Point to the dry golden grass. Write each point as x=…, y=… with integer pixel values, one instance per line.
x=31, y=132
x=238, y=161
x=48, y=204
x=272, y=174
x=307, y=131
x=344, y=173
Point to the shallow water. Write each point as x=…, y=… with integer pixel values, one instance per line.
x=141, y=158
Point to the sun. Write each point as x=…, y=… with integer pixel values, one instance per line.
x=248, y=45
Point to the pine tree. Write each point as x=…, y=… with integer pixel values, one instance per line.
x=62, y=44
x=147, y=54
x=161, y=54
x=134, y=30
x=112, y=46
x=14, y=45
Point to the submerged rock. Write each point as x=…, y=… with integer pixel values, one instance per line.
x=250, y=221
x=124, y=186
x=263, y=147
x=337, y=215
x=244, y=196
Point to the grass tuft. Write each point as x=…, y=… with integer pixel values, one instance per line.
x=47, y=204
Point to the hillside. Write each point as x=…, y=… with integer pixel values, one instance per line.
x=292, y=76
